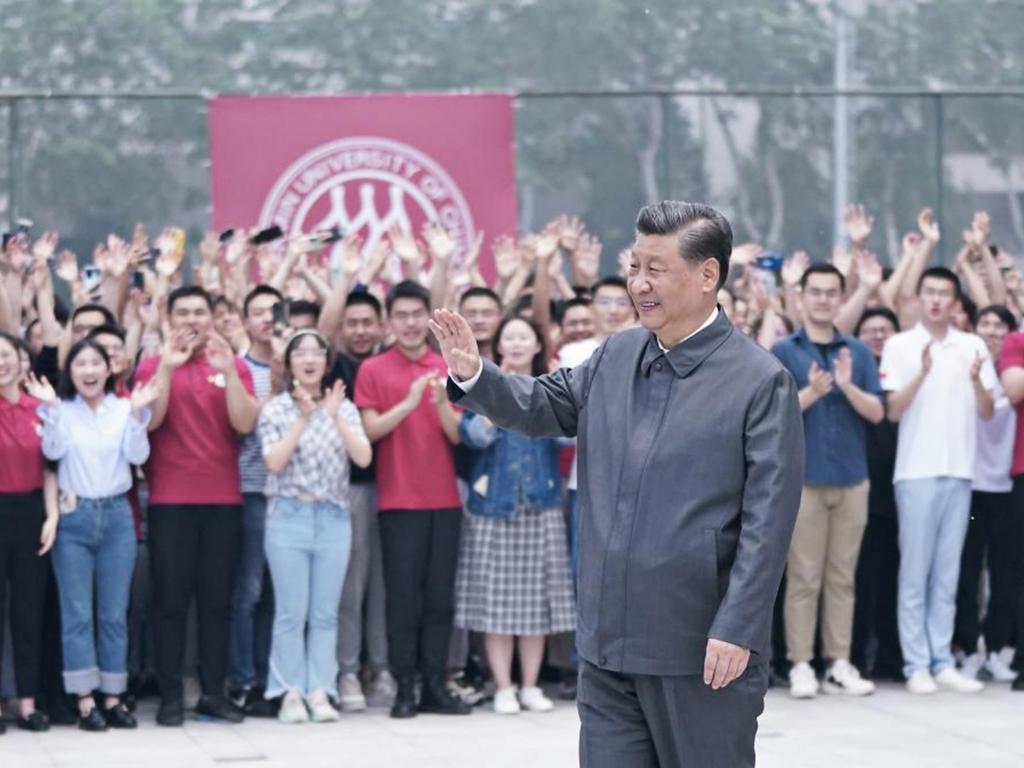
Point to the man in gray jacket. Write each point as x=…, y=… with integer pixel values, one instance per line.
x=690, y=472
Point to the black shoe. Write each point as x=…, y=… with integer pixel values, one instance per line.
x=93, y=721
x=257, y=705
x=3, y=728
x=118, y=716
x=37, y=722
x=567, y=689
x=1018, y=684
x=438, y=700
x=220, y=708
x=129, y=701
x=59, y=712
x=171, y=712
x=405, y=699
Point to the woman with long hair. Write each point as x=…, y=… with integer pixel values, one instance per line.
x=309, y=436
x=28, y=527
x=95, y=437
x=514, y=581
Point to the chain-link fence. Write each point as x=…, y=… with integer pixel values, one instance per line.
x=88, y=164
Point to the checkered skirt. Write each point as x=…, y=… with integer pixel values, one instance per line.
x=514, y=576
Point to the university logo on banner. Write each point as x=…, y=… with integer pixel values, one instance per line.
x=365, y=164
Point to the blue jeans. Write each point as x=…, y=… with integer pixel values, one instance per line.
x=95, y=548
x=307, y=549
x=933, y=515
x=252, y=606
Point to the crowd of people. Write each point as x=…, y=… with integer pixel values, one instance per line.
x=254, y=476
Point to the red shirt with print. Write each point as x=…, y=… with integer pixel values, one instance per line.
x=193, y=454
x=21, y=452
x=1012, y=356
x=415, y=464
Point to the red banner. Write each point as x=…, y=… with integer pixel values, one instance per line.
x=365, y=163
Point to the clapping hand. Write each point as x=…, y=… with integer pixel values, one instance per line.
x=843, y=369
x=821, y=381
x=334, y=398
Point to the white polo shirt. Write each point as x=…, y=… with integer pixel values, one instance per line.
x=938, y=430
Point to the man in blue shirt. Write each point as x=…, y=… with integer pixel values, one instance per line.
x=839, y=390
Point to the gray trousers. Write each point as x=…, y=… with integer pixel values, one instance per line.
x=647, y=721
x=361, y=615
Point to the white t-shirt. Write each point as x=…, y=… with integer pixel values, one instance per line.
x=572, y=354
x=995, y=447
x=938, y=430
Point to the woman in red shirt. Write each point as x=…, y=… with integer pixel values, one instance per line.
x=28, y=527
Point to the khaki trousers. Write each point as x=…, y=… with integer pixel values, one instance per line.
x=822, y=565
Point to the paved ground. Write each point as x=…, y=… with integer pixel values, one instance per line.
x=888, y=729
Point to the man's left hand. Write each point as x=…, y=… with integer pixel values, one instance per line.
x=724, y=662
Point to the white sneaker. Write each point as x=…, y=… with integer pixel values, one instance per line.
x=320, y=708
x=921, y=683
x=293, y=709
x=350, y=693
x=999, y=669
x=952, y=680
x=972, y=665
x=803, y=683
x=505, y=701
x=843, y=678
x=534, y=700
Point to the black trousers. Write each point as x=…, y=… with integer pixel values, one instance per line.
x=876, y=638
x=192, y=551
x=647, y=721
x=991, y=539
x=420, y=551
x=21, y=521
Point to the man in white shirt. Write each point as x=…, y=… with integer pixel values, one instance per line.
x=938, y=381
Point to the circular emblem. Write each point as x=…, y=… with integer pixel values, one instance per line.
x=367, y=184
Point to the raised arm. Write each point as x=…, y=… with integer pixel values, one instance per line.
x=545, y=406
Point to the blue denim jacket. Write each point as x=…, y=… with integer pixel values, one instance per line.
x=509, y=468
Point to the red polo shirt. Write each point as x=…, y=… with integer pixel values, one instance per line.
x=21, y=452
x=415, y=465
x=193, y=454
x=1012, y=356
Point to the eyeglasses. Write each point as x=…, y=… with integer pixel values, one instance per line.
x=312, y=354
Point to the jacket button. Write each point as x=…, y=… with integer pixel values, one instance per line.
x=604, y=661
x=657, y=366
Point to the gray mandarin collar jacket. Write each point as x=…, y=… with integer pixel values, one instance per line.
x=690, y=473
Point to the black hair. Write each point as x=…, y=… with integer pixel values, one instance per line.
x=259, y=290
x=539, y=364
x=576, y=301
x=11, y=339
x=941, y=273
x=823, y=269
x=479, y=291
x=1005, y=316
x=293, y=342
x=65, y=386
x=108, y=316
x=187, y=292
x=364, y=297
x=704, y=233
x=407, y=289
x=112, y=330
x=612, y=281
x=970, y=308
x=303, y=307
x=885, y=312
x=223, y=301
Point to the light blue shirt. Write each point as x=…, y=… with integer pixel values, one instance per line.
x=94, y=449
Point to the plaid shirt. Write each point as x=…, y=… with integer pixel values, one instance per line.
x=319, y=467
